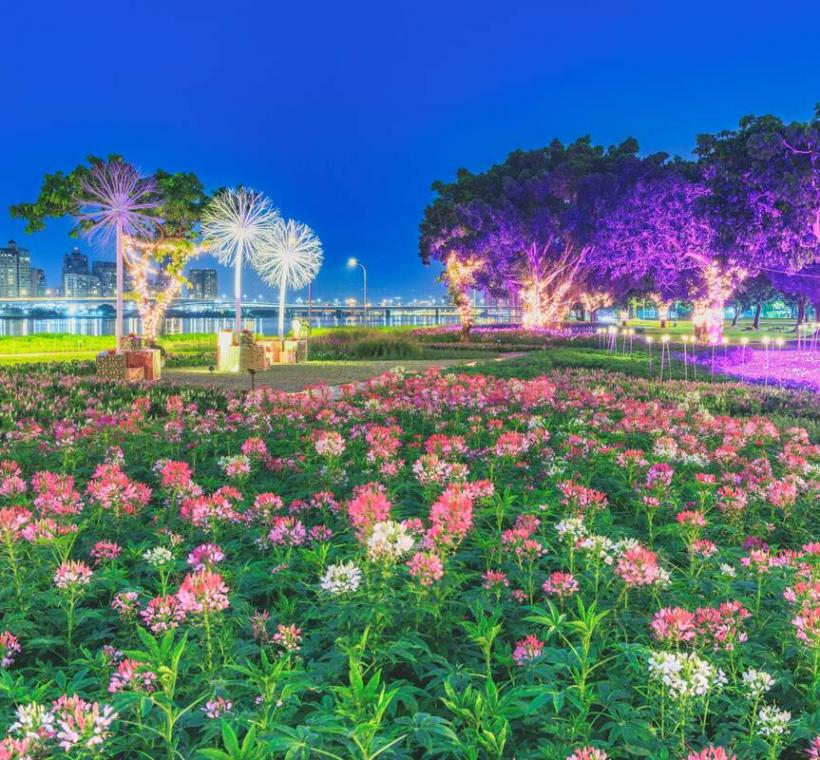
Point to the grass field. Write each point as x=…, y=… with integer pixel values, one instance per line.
x=386, y=342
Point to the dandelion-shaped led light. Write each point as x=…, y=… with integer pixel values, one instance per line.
x=116, y=200
x=236, y=225
x=292, y=258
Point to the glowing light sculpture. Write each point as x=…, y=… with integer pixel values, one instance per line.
x=290, y=257
x=116, y=200
x=236, y=226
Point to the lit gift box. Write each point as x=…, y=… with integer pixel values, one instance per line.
x=227, y=352
x=149, y=359
x=253, y=357
x=111, y=366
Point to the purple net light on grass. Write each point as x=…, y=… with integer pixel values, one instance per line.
x=791, y=368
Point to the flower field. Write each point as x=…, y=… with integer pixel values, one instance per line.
x=580, y=565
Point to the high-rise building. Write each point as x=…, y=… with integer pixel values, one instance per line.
x=15, y=271
x=106, y=273
x=202, y=284
x=38, y=285
x=75, y=262
x=78, y=282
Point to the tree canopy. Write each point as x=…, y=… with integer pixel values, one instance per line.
x=748, y=206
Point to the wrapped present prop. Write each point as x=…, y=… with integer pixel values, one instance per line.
x=130, y=342
x=227, y=352
x=301, y=350
x=289, y=350
x=271, y=349
x=246, y=338
x=134, y=374
x=253, y=357
x=150, y=359
x=111, y=366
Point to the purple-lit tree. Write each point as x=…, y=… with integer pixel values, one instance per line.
x=658, y=231
x=764, y=199
x=528, y=221
x=803, y=287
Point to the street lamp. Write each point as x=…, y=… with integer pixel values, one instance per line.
x=354, y=262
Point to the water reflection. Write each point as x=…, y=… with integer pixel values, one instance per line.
x=183, y=325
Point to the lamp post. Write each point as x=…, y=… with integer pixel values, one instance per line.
x=354, y=262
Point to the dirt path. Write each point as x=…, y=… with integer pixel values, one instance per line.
x=297, y=377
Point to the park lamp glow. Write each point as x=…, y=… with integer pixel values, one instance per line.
x=766, y=340
x=665, y=338
x=744, y=340
x=779, y=342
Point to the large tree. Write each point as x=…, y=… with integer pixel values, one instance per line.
x=109, y=196
x=528, y=221
x=657, y=228
x=764, y=200
x=803, y=288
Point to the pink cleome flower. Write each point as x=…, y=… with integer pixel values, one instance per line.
x=72, y=575
x=131, y=675
x=673, y=625
x=561, y=584
x=368, y=506
x=588, y=753
x=163, y=613
x=9, y=648
x=529, y=648
x=203, y=591
x=638, y=567
x=426, y=567
x=105, y=550
x=711, y=753
x=205, y=555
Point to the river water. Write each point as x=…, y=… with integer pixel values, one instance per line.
x=183, y=325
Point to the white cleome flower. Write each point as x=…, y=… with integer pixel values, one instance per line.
x=757, y=682
x=341, y=579
x=772, y=722
x=158, y=556
x=388, y=542
x=685, y=674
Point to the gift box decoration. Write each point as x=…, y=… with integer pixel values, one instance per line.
x=134, y=374
x=130, y=342
x=253, y=357
x=111, y=366
x=149, y=359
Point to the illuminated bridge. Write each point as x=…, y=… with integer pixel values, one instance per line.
x=59, y=308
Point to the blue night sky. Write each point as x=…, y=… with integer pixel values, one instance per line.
x=344, y=113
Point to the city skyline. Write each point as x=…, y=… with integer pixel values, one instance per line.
x=80, y=277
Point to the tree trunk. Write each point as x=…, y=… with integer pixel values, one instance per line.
x=758, y=309
x=736, y=316
x=801, y=310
